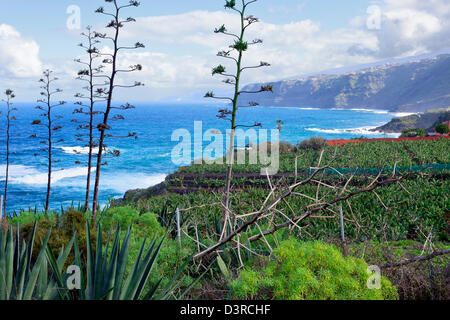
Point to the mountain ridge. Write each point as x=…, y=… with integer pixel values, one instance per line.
x=415, y=86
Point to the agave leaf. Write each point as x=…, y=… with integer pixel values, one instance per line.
x=31, y=281
x=132, y=283
x=171, y=286
x=146, y=274
x=64, y=254
x=223, y=268
x=98, y=276
x=122, y=263
x=21, y=272
x=110, y=276
x=9, y=262
x=56, y=272
x=136, y=270
x=78, y=262
x=90, y=268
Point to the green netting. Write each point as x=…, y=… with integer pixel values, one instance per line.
x=435, y=167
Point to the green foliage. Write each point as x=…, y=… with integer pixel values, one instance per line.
x=171, y=257
x=314, y=143
x=144, y=225
x=103, y=271
x=61, y=229
x=223, y=268
x=412, y=133
x=221, y=29
x=309, y=271
x=370, y=154
x=442, y=128
x=240, y=45
x=21, y=277
x=230, y=4
x=105, y=275
x=218, y=70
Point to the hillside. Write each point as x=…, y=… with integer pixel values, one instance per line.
x=427, y=121
x=415, y=86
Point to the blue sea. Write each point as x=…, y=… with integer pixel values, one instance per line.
x=146, y=161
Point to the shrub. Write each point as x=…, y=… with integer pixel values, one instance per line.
x=171, y=257
x=442, y=128
x=412, y=133
x=145, y=224
x=286, y=147
x=283, y=147
x=315, y=143
x=424, y=280
x=309, y=271
x=61, y=227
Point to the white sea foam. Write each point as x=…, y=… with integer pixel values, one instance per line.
x=29, y=175
x=376, y=111
x=16, y=171
x=359, y=131
x=403, y=114
x=77, y=150
x=80, y=150
x=117, y=181
x=35, y=177
x=371, y=111
x=124, y=182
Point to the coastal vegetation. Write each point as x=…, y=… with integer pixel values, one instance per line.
x=397, y=223
x=418, y=124
x=365, y=220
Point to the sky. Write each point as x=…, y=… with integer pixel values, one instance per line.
x=300, y=37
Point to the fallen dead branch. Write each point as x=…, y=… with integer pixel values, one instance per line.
x=416, y=259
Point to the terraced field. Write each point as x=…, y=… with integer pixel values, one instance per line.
x=431, y=157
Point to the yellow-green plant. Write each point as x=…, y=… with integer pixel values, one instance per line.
x=309, y=271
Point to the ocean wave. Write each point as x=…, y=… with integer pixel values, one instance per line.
x=20, y=174
x=120, y=182
x=371, y=111
x=16, y=171
x=376, y=111
x=403, y=114
x=360, y=131
x=123, y=182
x=81, y=150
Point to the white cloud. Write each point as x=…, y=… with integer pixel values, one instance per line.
x=19, y=57
x=181, y=49
x=408, y=27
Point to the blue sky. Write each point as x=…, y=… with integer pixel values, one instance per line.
x=301, y=37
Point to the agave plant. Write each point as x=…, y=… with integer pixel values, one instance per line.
x=103, y=271
x=20, y=279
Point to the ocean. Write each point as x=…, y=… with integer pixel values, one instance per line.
x=146, y=161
